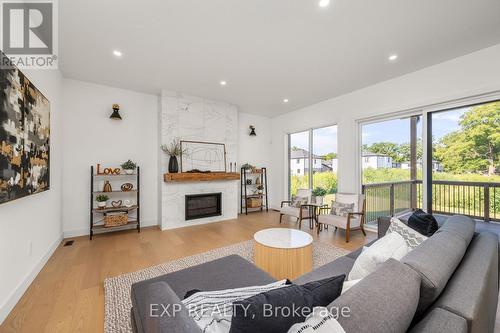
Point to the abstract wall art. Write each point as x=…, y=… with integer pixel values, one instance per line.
x=24, y=136
x=203, y=156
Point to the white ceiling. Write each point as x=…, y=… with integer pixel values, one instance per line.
x=266, y=50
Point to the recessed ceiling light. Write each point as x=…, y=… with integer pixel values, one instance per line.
x=393, y=57
x=323, y=3
x=223, y=83
x=117, y=53
x=285, y=100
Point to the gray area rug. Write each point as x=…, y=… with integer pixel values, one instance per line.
x=117, y=302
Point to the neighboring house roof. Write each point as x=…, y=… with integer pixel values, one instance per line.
x=369, y=153
x=301, y=153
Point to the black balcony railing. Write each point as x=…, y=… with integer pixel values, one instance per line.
x=479, y=200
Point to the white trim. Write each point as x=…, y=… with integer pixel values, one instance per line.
x=19, y=291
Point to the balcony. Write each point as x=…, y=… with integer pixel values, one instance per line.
x=479, y=200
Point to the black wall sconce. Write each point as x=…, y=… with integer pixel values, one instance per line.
x=252, y=130
x=116, y=115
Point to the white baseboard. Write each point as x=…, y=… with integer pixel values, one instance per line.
x=85, y=232
x=16, y=295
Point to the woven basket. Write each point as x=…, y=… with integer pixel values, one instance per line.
x=254, y=202
x=115, y=220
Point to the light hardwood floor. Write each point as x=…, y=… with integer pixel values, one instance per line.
x=68, y=294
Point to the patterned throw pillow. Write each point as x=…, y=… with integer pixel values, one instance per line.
x=341, y=209
x=412, y=237
x=299, y=201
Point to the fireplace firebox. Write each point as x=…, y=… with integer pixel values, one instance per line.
x=203, y=205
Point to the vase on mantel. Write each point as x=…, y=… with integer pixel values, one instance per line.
x=173, y=166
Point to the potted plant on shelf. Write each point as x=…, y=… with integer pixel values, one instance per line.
x=248, y=167
x=260, y=188
x=173, y=150
x=318, y=194
x=101, y=200
x=129, y=167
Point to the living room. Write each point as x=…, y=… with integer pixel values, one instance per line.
x=155, y=154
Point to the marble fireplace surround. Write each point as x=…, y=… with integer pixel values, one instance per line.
x=192, y=118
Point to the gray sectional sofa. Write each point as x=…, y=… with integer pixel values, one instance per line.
x=447, y=284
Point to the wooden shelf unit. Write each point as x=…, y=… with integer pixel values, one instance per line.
x=134, y=223
x=260, y=174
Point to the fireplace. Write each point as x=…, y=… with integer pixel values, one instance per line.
x=203, y=205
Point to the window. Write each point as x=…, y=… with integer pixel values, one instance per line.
x=298, y=161
x=298, y=171
x=392, y=180
x=317, y=149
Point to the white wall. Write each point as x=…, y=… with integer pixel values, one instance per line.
x=466, y=76
x=90, y=137
x=255, y=150
x=35, y=219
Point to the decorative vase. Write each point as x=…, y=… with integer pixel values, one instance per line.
x=107, y=187
x=173, y=166
x=101, y=204
x=129, y=171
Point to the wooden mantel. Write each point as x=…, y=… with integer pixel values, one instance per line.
x=200, y=176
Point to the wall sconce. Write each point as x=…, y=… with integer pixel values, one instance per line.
x=252, y=130
x=116, y=115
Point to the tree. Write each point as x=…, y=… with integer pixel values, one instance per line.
x=475, y=147
x=330, y=156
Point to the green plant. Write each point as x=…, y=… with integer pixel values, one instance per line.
x=260, y=187
x=102, y=198
x=129, y=165
x=319, y=192
x=247, y=166
x=174, y=149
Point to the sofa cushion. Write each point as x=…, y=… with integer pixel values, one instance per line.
x=336, y=267
x=277, y=310
x=212, y=310
x=156, y=308
x=461, y=226
x=225, y=273
x=356, y=253
x=412, y=237
x=442, y=321
x=320, y=321
x=393, y=245
x=472, y=292
x=435, y=260
x=384, y=301
x=423, y=222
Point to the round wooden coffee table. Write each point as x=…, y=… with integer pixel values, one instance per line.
x=283, y=253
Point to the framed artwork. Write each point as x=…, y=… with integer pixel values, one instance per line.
x=24, y=136
x=203, y=156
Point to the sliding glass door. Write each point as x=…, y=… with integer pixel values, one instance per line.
x=464, y=175
x=391, y=166
x=313, y=162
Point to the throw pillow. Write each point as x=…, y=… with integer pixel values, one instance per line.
x=319, y=321
x=392, y=245
x=341, y=209
x=412, y=237
x=349, y=284
x=213, y=310
x=277, y=310
x=299, y=201
x=423, y=222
